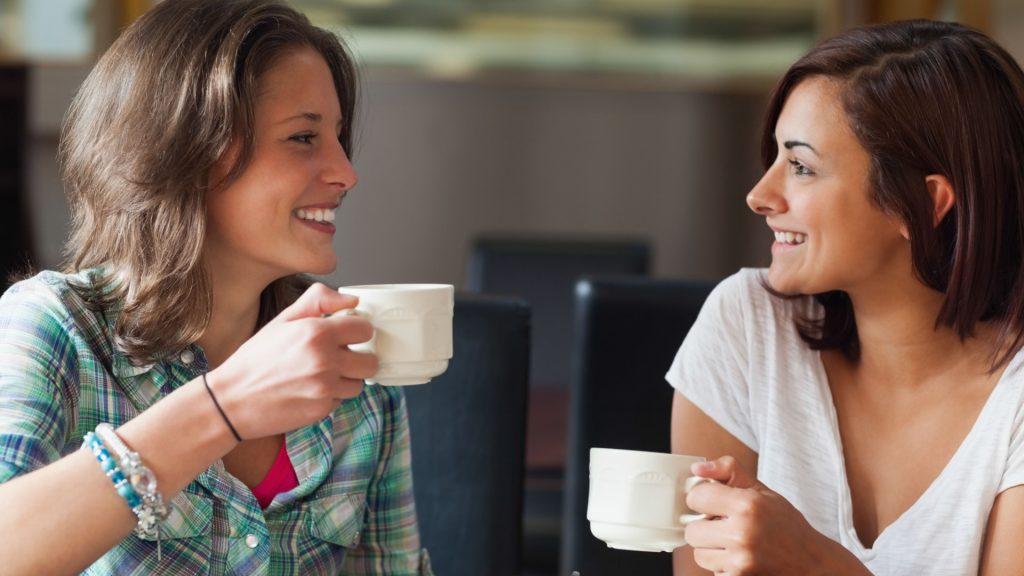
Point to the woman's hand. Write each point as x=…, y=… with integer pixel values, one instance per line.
x=753, y=530
x=297, y=368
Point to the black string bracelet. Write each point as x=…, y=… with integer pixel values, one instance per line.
x=221, y=410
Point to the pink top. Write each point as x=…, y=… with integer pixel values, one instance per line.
x=280, y=478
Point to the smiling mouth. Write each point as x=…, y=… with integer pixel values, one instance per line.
x=316, y=214
x=790, y=238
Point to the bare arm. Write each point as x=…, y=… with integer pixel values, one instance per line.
x=693, y=432
x=1001, y=554
x=755, y=530
x=71, y=502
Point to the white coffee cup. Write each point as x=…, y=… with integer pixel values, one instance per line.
x=412, y=329
x=637, y=499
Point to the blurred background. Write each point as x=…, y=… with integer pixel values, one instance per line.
x=539, y=118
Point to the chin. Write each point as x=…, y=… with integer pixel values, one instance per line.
x=317, y=266
x=780, y=282
x=325, y=266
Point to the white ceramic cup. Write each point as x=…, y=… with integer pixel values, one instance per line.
x=412, y=329
x=637, y=499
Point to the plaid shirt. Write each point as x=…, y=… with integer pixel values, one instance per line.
x=352, y=513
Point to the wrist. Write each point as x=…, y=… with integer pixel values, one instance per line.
x=179, y=436
x=220, y=408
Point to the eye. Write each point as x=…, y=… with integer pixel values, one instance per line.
x=304, y=138
x=800, y=169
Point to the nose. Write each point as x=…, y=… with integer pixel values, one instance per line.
x=338, y=170
x=765, y=198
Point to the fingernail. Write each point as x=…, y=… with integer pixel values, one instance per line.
x=702, y=467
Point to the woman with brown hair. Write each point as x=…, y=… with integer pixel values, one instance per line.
x=863, y=399
x=179, y=400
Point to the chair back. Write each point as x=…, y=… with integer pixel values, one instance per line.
x=544, y=271
x=468, y=428
x=628, y=331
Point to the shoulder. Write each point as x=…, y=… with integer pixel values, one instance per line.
x=49, y=300
x=744, y=324
x=744, y=299
x=48, y=312
x=39, y=301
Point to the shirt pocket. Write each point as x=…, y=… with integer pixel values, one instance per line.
x=185, y=535
x=338, y=518
x=185, y=544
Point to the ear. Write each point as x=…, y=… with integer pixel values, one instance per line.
x=943, y=196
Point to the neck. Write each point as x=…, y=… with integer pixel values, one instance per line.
x=236, y=307
x=900, y=340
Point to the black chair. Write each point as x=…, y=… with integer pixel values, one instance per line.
x=543, y=271
x=15, y=234
x=468, y=429
x=629, y=330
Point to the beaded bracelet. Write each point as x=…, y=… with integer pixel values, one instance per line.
x=138, y=486
x=111, y=469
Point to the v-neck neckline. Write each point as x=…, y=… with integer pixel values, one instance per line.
x=845, y=496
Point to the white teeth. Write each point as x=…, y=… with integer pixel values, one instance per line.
x=793, y=238
x=316, y=214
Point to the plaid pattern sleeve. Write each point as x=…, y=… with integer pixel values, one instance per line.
x=352, y=513
x=391, y=542
x=37, y=367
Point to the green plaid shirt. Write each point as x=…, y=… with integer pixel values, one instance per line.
x=352, y=513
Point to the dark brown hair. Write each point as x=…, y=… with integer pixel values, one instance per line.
x=925, y=98
x=159, y=109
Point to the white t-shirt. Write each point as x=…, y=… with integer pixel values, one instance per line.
x=746, y=367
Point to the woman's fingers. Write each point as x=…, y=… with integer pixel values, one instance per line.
x=713, y=499
x=315, y=302
x=356, y=365
x=347, y=388
x=709, y=533
x=733, y=492
x=727, y=471
x=722, y=561
x=346, y=329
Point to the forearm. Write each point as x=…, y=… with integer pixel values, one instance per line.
x=63, y=517
x=828, y=559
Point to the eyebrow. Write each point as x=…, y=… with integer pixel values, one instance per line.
x=790, y=144
x=311, y=116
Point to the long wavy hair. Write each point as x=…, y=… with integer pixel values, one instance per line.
x=924, y=98
x=161, y=106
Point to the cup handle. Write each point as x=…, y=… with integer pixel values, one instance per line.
x=689, y=485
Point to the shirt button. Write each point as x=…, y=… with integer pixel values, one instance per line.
x=187, y=356
x=252, y=541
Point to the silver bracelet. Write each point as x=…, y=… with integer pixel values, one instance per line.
x=151, y=510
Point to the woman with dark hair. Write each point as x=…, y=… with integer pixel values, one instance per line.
x=180, y=400
x=863, y=399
